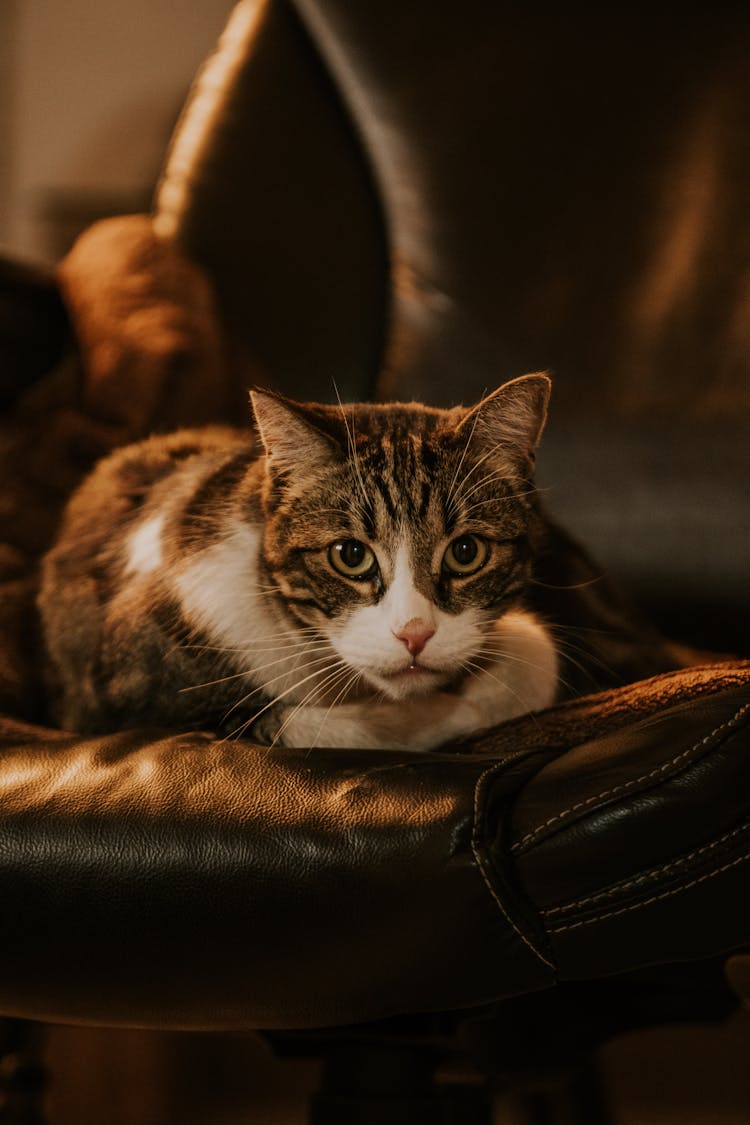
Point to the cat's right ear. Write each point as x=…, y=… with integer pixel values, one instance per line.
x=292, y=442
x=508, y=423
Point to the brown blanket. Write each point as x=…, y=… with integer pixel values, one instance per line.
x=146, y=356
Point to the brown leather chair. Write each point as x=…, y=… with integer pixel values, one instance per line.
x=418, y=202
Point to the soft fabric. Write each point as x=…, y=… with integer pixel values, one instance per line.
x=148, y=357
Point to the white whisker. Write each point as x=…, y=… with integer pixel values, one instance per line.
x=350, y=438
x=449, y=497
x=353, y=679
x=260, y=668
x=503, y=654
x=524, y=704
x=477, y=464
x=282, y=695
x=312, y=697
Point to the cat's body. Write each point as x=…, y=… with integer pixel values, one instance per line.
x=357, y=578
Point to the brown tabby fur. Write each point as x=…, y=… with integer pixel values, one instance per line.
x=123, y=651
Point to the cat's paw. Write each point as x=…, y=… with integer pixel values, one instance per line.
x=265, y=729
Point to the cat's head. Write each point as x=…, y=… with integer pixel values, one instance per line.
x=401, y=531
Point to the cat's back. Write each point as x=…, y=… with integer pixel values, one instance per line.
x=154, y=477
x=139, y=510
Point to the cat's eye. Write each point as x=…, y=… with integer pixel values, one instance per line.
x=465, y=555
x=352, y=558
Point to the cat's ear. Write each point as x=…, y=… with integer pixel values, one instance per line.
x=292, y=442
x=511, y=419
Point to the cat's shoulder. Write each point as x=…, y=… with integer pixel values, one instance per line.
x=157, y=456
x=134, y=468
x=139, y=476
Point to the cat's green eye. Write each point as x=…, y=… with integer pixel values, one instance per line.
x=465, y=555
x=352, y=558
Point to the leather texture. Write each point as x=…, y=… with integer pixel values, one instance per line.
x=157, y=879
x=281, y=209
x=166, y=880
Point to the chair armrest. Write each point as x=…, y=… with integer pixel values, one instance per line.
x=162, y=880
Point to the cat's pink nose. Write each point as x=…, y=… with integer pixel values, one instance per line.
x=415, y=635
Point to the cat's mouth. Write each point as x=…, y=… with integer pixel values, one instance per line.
x=414, y=679
x=413, y=672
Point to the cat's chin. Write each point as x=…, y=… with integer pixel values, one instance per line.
x=410, y=681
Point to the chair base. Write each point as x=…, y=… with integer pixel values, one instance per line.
x=368, y=1084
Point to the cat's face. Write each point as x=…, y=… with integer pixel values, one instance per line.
x=400, y=532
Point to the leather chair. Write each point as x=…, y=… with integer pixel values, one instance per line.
x=417, y=202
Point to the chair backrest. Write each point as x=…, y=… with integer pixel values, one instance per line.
x=417, y=202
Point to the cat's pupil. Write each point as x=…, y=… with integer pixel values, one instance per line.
x=465, y=550
x=352, y=553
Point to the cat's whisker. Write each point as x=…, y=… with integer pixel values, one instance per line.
x=567, y=648
x=503, y=654
x=490, y=479
x=351, y=681
x=570, y=586
x=500, y=474
x=455, y=497
x=524, y=703
x=351, y=442
x=451, y=486
x=185, y=646
x=272, y=703
x=262, y=688
x=465, y=509
x=258, y=646
x=281, y=695
x=563, y=628
x=259, y=668
x=285, y=640
x=223, y=655
x=311, y=698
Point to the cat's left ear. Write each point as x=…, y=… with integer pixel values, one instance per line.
x=511, y=419
x=291, y=441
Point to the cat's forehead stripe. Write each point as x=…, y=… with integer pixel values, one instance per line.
x=401, y=477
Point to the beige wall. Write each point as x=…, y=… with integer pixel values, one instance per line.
x=88, y=103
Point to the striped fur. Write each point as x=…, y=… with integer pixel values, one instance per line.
x=194, y=580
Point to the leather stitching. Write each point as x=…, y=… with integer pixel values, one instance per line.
x=627, y=785
x=654, y=898
x=647, y=876
x=485, y=874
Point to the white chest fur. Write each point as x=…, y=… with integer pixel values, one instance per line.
x=221, y=594
x=509, y=671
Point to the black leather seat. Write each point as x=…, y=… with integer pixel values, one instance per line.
x=417, y=203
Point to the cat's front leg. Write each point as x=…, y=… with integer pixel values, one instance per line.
x=418, y=723
x=518, y=671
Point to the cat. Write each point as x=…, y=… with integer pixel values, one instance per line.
x=351, y=576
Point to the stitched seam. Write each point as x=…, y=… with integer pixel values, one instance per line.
x=485, y=875
x=625, y=786
x=620, y=888
x=654, y=898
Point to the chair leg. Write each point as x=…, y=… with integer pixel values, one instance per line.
x=22, y=1075
x=380, y=1085
x=574, y=1098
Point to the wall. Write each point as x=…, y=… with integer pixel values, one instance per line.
x=88, y=96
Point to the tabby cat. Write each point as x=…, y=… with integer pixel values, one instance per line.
x=350, y=576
